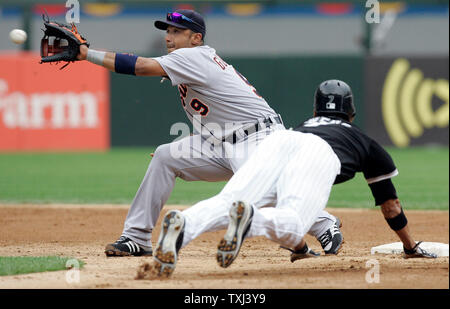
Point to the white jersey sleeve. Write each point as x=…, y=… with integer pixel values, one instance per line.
x=184, y=66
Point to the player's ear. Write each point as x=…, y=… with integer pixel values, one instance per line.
x=197, y=39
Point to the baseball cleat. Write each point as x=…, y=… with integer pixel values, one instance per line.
x=332, y=239
x=303, y=253
x=417, y=252
x=124, y=246
x=241, y=215
x=169, y=243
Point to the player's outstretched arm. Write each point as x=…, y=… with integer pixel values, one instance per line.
x=122, y=63
x=396, y=219
x=393, y=213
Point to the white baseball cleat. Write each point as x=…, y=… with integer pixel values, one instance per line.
x=241, y=215
x=169, y=243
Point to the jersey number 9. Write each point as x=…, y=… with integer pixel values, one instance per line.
x=199, y=107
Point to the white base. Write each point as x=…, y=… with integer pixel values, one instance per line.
x=397, y=248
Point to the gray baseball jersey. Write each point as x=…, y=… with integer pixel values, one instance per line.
x=218, y=100
x=213, y=90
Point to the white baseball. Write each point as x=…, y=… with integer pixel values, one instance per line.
x=18, y=36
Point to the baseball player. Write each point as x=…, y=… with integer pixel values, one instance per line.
x=228, y=115
x=300, y=168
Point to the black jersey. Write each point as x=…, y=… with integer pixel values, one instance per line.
x=356, y=151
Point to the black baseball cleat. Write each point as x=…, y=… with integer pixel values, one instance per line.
x=332, y=239
x=417, y=252
x=125, y=247
x=169, y=243
x=241, y=215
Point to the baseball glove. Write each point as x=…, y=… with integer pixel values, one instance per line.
x=61, y=42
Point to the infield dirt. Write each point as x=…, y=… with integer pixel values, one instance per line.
x=82, y=231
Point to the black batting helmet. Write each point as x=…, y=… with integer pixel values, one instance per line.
x=334, y=98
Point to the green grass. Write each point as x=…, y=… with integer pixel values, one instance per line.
x=422, y=182
x=114, y=177
x=110, y=177
x=15, y=265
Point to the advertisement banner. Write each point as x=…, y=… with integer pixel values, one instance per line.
x=45, y=108
x=407, y=100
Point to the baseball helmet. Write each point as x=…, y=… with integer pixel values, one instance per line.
x=334, y=98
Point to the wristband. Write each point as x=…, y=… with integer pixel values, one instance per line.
x=398, y=222
x=125, y=64
x=95, y=56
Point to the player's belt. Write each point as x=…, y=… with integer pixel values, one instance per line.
x=257, y=126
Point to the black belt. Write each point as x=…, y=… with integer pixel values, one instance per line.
x=268, y=122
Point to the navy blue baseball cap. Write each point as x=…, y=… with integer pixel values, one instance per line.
x=184, y=19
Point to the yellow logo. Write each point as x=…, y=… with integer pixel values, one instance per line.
x=406, y=103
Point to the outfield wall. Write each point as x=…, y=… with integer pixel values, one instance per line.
x=143, y=109
x=284, y=49
x=400, y=101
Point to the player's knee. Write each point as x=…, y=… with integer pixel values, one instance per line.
x=391, y=208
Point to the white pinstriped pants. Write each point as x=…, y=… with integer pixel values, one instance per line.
x=299, y=168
